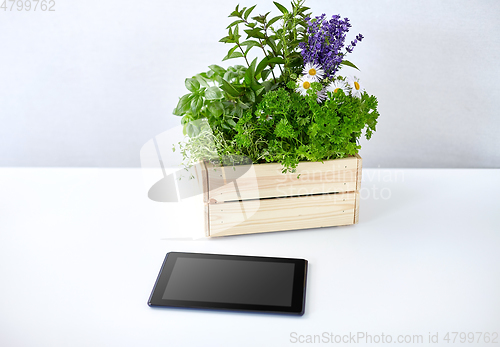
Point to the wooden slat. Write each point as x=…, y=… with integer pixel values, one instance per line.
x=359, y=171
x=266, y=180
x=358, y=187
x=206, y=197
x=356, y=209
x=257, y=216
x=204, y=175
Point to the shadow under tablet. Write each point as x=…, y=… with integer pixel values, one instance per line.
x=231, y=282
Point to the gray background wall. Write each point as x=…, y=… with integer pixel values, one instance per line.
x=89, y=84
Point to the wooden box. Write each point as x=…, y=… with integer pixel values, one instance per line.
x=259, y=198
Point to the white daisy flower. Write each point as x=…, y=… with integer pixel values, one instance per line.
x=321, y=95
x=304, y=85
x=313, y=72
x=356, y=89
x=337, y=85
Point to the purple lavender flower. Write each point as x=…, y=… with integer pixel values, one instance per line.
x=325, y=41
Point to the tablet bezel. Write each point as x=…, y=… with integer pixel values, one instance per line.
x=298, y=291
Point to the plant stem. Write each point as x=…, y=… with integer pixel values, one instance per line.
x=265, y=54
x=283, y=38
x=262, y=46
x=243, y=52
x=267, y=38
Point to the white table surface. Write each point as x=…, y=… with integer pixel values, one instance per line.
x=80, y=250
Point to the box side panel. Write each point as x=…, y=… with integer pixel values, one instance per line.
x=359, y=172
x=358, y=187
x=206, y=197
x=266, y=180
x=233, y=218
x=356, y=208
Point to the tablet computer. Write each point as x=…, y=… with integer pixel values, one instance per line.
x=231, y=282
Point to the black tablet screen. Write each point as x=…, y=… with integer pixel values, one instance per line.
x=231, y=281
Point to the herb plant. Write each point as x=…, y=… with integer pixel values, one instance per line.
x=289, y=106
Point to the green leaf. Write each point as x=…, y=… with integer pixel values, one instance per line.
x=250, y=73
x=267, y=85
x=235, y=23
x=216, y=108
x=228, y=88
x=229, y=75
x=276, y=60
x=230, y=52
x=227, y=39
x=177, y=112
x=236, y=12
x=295, y=59
x=250, y=43
x=218, y=69
x=264, y=74
x=201, y=80
x=233, y=55
x=246, y=50
x=271, y=43
x=250, y=94
x=218, y=79
x=191, y=130
x=196, y=104
x=192, y=84
x=281, y=8
x=183, y=104
x=255, y=32
x=238, y=111
x=204, y=75
x=187, y=118
x=260, y=90
x=261, y=66
x=243, y=106
x=348, y=63
x=247, y=12
x=259, y=19
x=267, y=61
x=213, y=93
x=273, y=20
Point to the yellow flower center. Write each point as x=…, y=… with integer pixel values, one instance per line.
x=306, y=85
x=356, y=85
x=312, y=72
x=336, y=90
